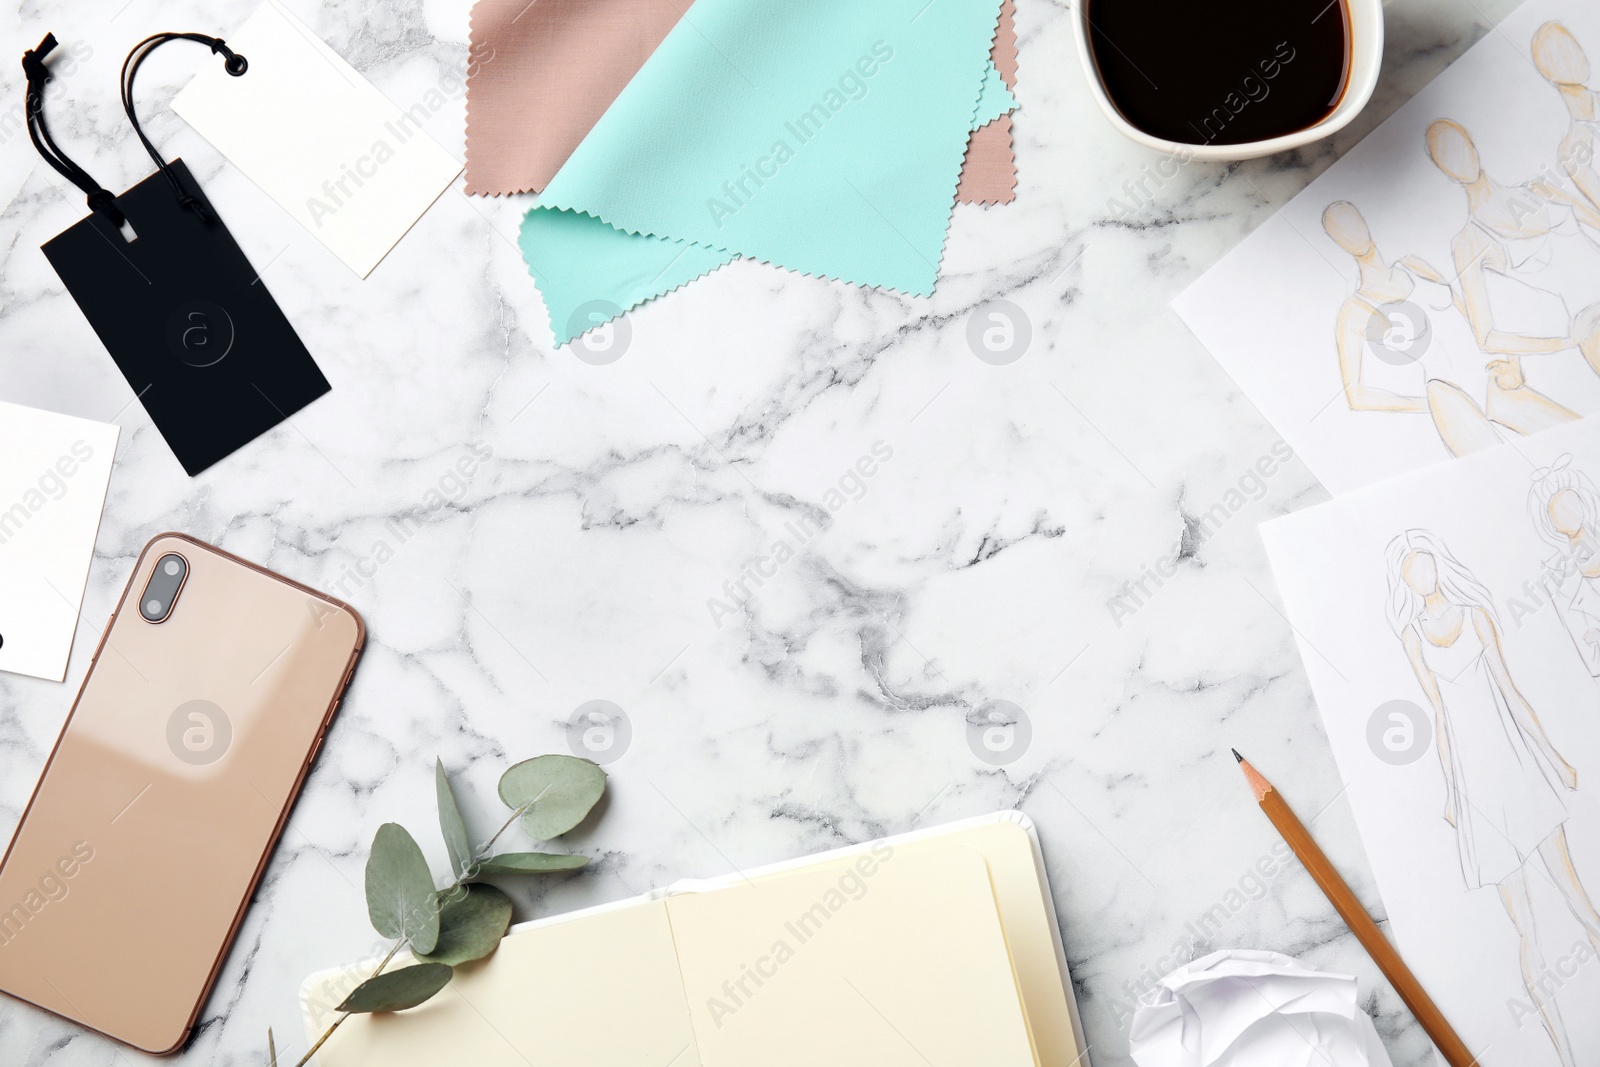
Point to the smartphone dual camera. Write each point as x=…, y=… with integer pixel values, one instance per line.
x=161, y=592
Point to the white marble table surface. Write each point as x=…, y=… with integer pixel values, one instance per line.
x=831, y=704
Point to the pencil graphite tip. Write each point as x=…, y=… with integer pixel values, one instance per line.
x=1258, y=785
x=1236, y=757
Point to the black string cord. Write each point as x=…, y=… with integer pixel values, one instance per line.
x=33, y=65
x=235, y=65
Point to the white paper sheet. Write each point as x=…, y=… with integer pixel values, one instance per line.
x=1467, y=570
x=1526, y=263
x=1244, y=1008
x=317, y=137
x=53, y=475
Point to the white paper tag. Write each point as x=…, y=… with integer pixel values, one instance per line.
x=318, y=138
x=53, y=475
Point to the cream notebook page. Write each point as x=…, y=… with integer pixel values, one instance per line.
x=602, y=991
x=1025, y=922
x=901, y=964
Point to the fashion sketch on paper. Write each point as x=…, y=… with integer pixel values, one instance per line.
x=1526, y=256
x=1439, y=369
x=1503, y=777
x=1559, y=57
x=1564, y=505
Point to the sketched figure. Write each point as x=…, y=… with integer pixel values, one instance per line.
x=1464, y=392
x=1565, y=507
x=1560, y=59
x=1530, y=273
x=1500, y=769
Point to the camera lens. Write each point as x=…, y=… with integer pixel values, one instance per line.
x=161, y=593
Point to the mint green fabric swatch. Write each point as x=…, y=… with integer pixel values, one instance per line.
x=824, y=137
x=589, y=273
x=994, y=98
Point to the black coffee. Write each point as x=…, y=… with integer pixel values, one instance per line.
x=1225, y=72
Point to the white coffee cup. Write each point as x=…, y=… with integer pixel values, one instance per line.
x=1366, y=57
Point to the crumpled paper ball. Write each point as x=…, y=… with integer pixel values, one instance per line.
x=1243, y=1008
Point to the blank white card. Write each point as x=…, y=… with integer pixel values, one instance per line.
x=53, y=475
x=318, y=138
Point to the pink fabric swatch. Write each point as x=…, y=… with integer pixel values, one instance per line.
x=989, y=171
x=542, y=73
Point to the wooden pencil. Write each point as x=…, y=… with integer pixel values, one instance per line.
x=1344, y=901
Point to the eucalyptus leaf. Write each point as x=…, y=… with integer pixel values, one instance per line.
x=451, y=824
x=400, y=897
x=398, y=990
x=529, y=863
x=471, y=923
x=558, y=790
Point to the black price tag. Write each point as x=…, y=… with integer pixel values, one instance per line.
x=185, y=316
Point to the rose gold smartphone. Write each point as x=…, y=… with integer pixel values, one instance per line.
x=199, y=717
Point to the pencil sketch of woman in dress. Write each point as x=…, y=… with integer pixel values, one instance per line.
x=1560, y=59
x=1526, y=257
x=1464, y=391
x=1565, y=507
x=1503, y=777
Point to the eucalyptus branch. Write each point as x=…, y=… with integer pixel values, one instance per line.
x=465, y=920
x=483, y=851
x=312, y=1051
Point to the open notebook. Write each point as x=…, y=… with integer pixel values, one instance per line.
x=935, y=947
